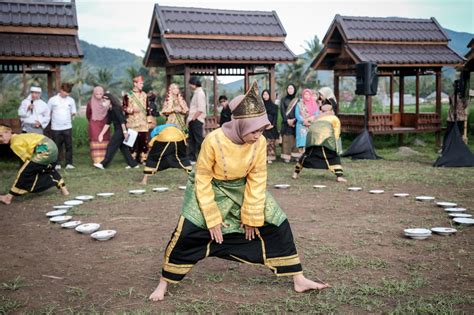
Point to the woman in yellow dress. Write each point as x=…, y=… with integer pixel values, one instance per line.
x=175, y=108
x=39, y=155
x=227, y=212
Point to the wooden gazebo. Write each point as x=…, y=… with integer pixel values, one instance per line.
x=197, y=41
x=38, y=37
x=400, y=47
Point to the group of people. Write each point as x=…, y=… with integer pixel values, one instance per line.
x=226, y=212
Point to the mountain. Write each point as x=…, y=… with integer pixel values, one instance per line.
x=116, y=60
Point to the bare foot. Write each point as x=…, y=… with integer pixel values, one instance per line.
x=341, y=180
x=295, y=175
x=64, y=191
x=302, y=284
x=159, y=293
x=6, y=199
x=144, y=180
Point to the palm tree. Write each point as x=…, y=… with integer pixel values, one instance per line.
x=104, y=78
x=79, y=77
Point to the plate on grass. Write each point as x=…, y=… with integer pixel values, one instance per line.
x=85, y=197
x=460, y=215
x=282, y=186
x=103, y=235
x=424, y=198
x=55, y=213
x=182, y=187
x=137, y=191
x=60, y=218
x=105, y=194
x=87, y=228
x=468, y=221
x=417, y=233
x=62, y=207
x=446, y=204
x=319, y=186
x=376, y=191
x=73, y=202
x=160, y=189
x=454, y=209
x=401, y=195
x=71, y=224
x=354, y=188
x=443, y=230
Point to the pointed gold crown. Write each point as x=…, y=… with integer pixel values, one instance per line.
x=251, y=104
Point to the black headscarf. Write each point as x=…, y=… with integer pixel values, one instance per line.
x=272, y=113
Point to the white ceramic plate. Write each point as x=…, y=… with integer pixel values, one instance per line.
x=468, y=221
x=55, y=213
x=62, y=207
x=424, y=198
x=319, y=186
x=460, y=215
x=282, y=186
x=71, y=224
x=61, y=218
x=73, y=202
x=354, y=188
x=103, y=235
x=105, y=194
x=445, y=204
x=401, y=195
x=376, y=191
x=85, y=197
x=88, y=228
x=443, y=230
x=454, y=209
x=417, y=233
x=160, y=189
x=182, y=187
x=137, y=191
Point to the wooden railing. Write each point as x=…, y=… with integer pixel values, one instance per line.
x=211, y=123
x=429, y=122
x=13, y=123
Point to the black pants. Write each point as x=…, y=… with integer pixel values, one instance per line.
x=33, y=177
x=273, y=247
x=60, y=137
x=165, y=155
x=195, y=139
x=116, y=142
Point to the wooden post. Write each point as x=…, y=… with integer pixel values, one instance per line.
x=215, y=92
x=417, y=97
x=50, y=84
x=168, y=81
x=187, y=89
x=246, y=80
x=336, y=91
x=23, y=79
x=57, y=74
x=391, y=95
x=438, y=105
x=401, y=106
x=272, y=83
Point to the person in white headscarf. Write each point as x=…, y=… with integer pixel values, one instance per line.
x=34, y=113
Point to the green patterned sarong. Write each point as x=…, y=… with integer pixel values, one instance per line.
x=229, y=196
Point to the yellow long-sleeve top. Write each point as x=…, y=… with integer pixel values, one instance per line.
x=222, y=159
x=24, y=144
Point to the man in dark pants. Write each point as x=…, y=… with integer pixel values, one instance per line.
x=196, y=117
x=63, y=108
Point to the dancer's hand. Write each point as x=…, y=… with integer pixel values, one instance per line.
x=216, y=233
x=100, y=138
x=250, y=231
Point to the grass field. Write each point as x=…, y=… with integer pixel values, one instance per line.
x=352, y=240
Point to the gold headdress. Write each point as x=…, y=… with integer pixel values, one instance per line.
x=250, y=106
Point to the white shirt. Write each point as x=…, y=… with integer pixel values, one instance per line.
x=198, y=104
x=40, y=112
x=62, y=109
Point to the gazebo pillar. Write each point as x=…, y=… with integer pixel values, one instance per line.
x=187, y=89
x=417, y=97
x=57, y=75
x=336, y=90
x=391, y=95
x=272, y=83
x=401, y=105
x=215, y=92
x=438, y=104
x=23, y=79
x=50, y=84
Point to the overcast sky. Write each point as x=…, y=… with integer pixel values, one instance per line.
x=124, y=24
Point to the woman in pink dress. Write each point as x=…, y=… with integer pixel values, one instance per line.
x=96, y=114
